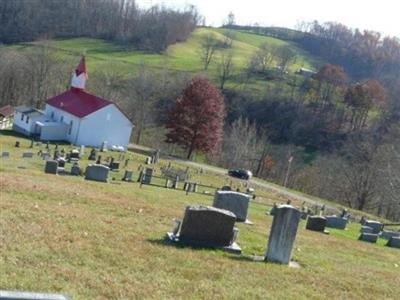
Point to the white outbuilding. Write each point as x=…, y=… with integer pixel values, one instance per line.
x=79, y=117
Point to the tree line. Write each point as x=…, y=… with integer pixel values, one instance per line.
x=122, y=21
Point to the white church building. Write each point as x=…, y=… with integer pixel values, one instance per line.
x=77, y=117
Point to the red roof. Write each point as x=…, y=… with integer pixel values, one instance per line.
x=78, y=103
x=6, y=111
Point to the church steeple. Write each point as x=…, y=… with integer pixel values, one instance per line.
x=79, y=76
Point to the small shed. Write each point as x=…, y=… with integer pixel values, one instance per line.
x=6, y=116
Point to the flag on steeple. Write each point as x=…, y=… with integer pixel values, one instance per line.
x=79, y=76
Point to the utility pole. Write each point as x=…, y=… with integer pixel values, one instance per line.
x=288, y=170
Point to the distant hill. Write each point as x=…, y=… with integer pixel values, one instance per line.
x=181, y=56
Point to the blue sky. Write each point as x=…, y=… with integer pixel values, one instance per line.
x=378, y=15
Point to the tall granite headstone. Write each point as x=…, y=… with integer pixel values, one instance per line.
x=283, y=234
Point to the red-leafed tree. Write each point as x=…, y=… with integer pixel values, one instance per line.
x=196, y=120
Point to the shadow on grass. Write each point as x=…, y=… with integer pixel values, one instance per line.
x=165, y=241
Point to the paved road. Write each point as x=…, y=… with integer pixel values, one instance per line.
x=255, y=181
x=258, y=182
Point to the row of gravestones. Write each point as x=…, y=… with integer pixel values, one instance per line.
x=94, y=172
x=370, y=231
x=153, y=159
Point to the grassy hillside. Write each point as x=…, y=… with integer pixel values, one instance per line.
x=182, y=56
x=106, y=241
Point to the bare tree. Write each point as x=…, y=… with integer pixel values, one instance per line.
x=208, y=47
x=285, y=56
x=225, y=68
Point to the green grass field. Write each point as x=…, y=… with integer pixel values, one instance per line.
x=103, y=55
x=95, y=240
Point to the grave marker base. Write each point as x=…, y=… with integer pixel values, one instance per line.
x=233, y=248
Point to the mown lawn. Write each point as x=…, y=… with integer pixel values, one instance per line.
x=106, y=241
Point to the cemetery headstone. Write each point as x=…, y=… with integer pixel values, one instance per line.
x=272, y=212
x=51, y=167
x=283, y=234
x=368, y=237
x=114, y=165
x=375, y=225
x=17, y=144
x=148, y=160
x=128, y=176
x=47, y=145
x=92, y=155
x=75, y=170
x=31, y=146
x=61, y=162
x=336, y=222
x=126, y=163
x=19, y=295
x=394, y=242
x=27, y=155
x=74, y=154
x=175, y=182
x=316, y=223
x=97, y=173
x=82, y=151
x=366, y=229
x=46, y=156
x=98, y=161
x=238, y=203
x=208, y=226
x=146, y=178
x=104, y=147
x=5, y=154
x=388, y=234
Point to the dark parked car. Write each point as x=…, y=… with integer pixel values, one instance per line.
x=240, y=173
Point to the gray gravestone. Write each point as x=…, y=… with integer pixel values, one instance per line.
x=27, y=155
x=316, y=223
x=235, y=202
x=386, y=234
x=46, y=156
x=74, y=154
x=336, y=222
x=97, y=173
x=146, y=178
x=128, y=176
x=82, y=151
x=368, y=237
x=394, y=242
x=5, y=154
x=104, y=147
x=61, y=162
x=51, y=167
x=18, y=295
x=148, y=160
x=208, y=225
x=375, y=225
x=92, y=155
x=75, y=170
x=366, y=229
x=283, y=234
